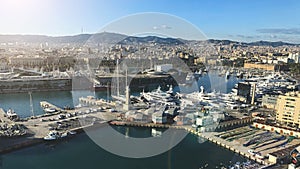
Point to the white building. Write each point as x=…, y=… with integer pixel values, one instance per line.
x=163, y=68
x=295, y=57
x=204, y=121
x=159, y=118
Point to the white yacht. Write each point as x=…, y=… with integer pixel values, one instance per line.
x=11, y=113
x=52, y=135
x=212, y=99
x=49, y=110
x=158, y=95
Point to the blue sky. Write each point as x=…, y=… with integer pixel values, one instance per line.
x=243, y=20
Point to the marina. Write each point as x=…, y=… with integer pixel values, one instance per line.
x=40, y=132
x=90, y=154
x=214, y=118
x=165, y=85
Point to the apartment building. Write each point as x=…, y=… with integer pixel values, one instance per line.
x=288, y=109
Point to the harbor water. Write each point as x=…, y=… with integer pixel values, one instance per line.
x=81, y=152
x=22, y=102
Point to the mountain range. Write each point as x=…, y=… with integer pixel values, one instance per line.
x=115, y=38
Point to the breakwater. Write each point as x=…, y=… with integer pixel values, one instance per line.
x=29, y=85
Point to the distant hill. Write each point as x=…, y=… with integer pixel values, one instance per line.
x=104, y=37
x=151, y=39
x=223, y=42
x=23, y=38
x=274, y=44
x=258, y=43
x=115, y=38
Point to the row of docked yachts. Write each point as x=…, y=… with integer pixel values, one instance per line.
x=209, y=100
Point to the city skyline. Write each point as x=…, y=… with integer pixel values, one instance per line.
x=235, y=20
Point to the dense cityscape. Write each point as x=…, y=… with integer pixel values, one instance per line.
x=257, y=118
x=149, y=84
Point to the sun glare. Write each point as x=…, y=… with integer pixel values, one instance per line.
x=18, y=7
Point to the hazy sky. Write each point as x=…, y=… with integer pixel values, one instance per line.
x=246, y=20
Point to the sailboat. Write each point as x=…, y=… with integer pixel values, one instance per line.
x=119, y=96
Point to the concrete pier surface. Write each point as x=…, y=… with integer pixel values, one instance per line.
x=40, y=125
x=37, y=127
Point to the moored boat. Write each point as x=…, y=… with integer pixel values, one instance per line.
x=55, y=135
x=50, y=110
x=52, y=135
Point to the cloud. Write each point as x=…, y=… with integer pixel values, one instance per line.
x=265, y=37
x=247, y=36
x=273, y=36
x=161, y=27
x=287, y=31
x=240, y=36
x=166, y=27
x=155, y=28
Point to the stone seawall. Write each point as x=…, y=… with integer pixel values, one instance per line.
x=31, y=85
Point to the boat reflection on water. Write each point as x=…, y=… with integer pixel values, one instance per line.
x=156, y=133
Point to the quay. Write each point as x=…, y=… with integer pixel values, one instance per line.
x=39, y=84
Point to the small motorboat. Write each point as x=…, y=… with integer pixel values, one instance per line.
x=52, y=135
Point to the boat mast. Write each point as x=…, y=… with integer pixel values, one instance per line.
x=118, y=85
x=107, y=91
x=31, y=105
x=126, y=77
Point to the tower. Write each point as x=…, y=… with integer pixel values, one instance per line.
x=126, y=106
x=253, y=93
